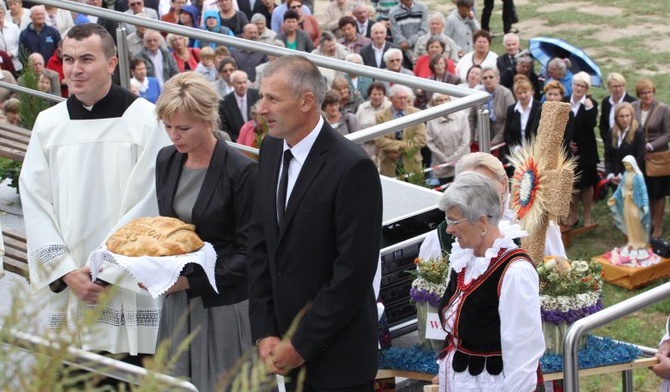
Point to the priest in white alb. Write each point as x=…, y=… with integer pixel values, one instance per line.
x=88, y=170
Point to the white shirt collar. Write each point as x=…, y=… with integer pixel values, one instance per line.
x=302, y=149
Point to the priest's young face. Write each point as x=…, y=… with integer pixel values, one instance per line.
x=86, y=68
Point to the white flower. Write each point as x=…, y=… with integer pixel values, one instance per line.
x=565, y=303
x=424, y=285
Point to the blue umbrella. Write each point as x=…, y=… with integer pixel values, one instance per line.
x=545, y=49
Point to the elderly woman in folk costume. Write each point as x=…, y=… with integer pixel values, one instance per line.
x=492, y=344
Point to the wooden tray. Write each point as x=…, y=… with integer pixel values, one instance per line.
x=633, y=277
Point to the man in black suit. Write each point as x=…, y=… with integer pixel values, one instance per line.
x=373, y=54
x=314, y=239
x=511, y=43
x=235, y=107
x=250, y=7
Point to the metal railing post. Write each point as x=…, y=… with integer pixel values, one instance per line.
x=627, y=381
x=605, y=316
x=124, y=61
x=484, y=130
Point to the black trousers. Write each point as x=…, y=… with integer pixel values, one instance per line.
x=367, y=387
x=507, y=15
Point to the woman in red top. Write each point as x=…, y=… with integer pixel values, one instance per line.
x=433, y=46
x=187, y=58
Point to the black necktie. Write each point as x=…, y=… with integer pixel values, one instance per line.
x=283, y=185
x=398, y=133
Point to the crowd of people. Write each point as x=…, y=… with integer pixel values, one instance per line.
x=206, y=92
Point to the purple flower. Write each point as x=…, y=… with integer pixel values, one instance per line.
x=557, y=317
x=419, y=295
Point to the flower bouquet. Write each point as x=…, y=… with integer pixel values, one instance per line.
x=569, y=291
x=430, y=282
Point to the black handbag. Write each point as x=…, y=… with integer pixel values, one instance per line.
x=660, y=247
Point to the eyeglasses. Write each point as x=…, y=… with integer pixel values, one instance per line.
x=454, y=222
x=647, y=92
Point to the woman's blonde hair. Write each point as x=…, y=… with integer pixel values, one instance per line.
x=476, y=160
x=191, y=94
x=482, y=160
x=616, y=128
x=171, y=37
x=12, y=105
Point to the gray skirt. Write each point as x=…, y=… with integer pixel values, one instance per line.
x=224, y=334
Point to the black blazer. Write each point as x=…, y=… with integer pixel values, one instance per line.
x=325, y=254
x=230, y=115
x=614, y=155
x=245, y=7
x=503, y=62
x=584, y=135
x=368, y=31
x=605, y=108
x=368, y=55
x=512, y=132
x=221, y=216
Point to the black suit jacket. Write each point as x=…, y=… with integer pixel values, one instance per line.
x=325, y=254
x=503, y=62
x=368, y=55
x=221, y=216
x=614, y=154
x=245, y=7
x=368, y=30
x=605, y=108
x=230, y=114
x=512, y=132
x=584, y=135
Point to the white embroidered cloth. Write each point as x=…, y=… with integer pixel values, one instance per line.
x=157, y=274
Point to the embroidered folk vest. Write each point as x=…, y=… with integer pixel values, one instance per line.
x=477, y=323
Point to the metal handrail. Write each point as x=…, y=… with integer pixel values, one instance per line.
x=97, y=363
x=589, y=323
x=29, y=91
x=466, y=97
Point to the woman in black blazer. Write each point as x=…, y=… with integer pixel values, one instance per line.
x=616, y=84
x=625, y=138
x=202, y=181
x=523, y=118
x=583, y=146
